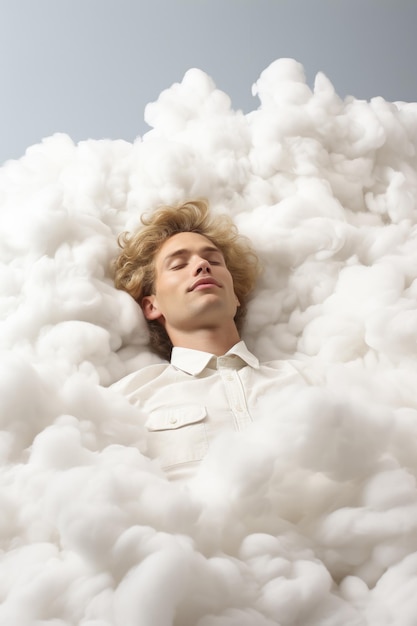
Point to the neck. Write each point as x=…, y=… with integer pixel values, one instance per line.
x=216, y=341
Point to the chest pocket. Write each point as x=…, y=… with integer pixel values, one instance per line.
x=177, y=434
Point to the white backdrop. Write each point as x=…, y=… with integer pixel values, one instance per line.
x=310, y=517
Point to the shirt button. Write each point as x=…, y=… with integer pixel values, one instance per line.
x=173, y=420
x=238, y=408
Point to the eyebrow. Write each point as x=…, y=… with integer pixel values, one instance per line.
x=185, y=251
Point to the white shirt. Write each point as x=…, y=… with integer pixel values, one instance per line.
x=188, y=402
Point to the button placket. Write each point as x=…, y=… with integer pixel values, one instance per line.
x=234, y=391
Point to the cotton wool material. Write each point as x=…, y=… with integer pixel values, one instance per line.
x=308, y=518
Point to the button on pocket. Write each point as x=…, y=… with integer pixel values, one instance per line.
x=175, y=416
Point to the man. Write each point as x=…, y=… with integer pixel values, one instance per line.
x=192, y=273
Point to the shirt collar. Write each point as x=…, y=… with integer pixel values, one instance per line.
x=194, y=361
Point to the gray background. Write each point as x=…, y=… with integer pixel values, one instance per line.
x=89, y=67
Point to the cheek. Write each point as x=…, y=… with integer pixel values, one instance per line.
x=229, y=281
x=166, y=286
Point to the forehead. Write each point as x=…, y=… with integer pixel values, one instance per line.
x=192, y=242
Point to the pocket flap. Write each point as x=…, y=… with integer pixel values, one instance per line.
x=172, y=417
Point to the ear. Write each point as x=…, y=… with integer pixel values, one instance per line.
x=150, y=308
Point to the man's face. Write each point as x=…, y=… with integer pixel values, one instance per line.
x=193, y=287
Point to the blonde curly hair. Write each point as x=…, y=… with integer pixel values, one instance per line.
x=134, y=268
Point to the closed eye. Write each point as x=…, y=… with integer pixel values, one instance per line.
x=215, y=259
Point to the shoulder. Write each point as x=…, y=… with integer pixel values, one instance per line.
x=135, y=380
x=306, y=368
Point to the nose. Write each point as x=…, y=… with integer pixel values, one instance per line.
x=202, y=267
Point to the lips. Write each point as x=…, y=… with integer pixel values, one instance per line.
x=204, y=281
